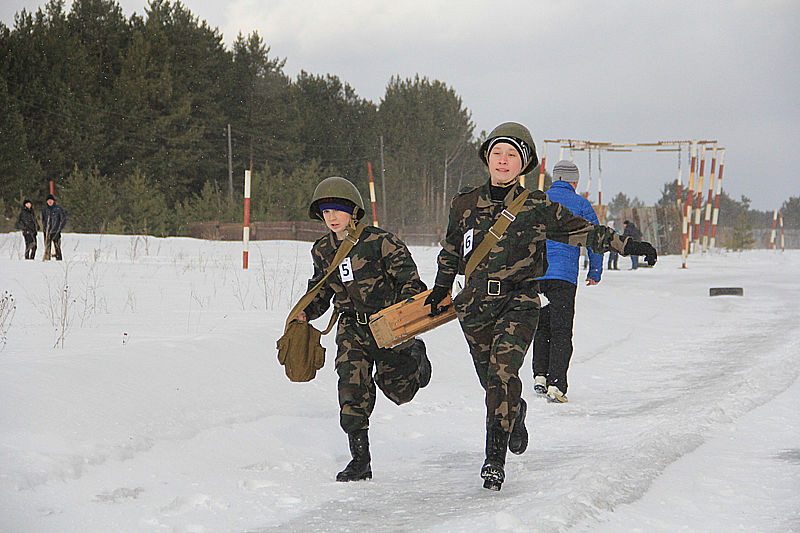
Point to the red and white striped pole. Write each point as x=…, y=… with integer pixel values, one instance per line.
x=599, y=179
x=372, y=195
x=783, y=243
x=715, y=214
x=710, y=199
x=246, y=225
x=541, y=167
x=772, y=235
x=699, y=199
x=680, y=180
x=589, y=182
x=687, y=207
x=589, y=150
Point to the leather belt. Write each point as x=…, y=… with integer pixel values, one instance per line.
x=496, y=287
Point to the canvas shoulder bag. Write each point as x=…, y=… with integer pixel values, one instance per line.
x=299, y=349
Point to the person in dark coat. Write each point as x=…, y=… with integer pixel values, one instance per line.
x=613, y=257
x=633, y=232
x=54, y=218
x=27, y=223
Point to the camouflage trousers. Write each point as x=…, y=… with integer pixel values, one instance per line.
x=396, y=372
x=499, y=330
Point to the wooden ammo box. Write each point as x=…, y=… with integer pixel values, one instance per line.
x=407, y=319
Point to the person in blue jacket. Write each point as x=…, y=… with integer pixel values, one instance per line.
x=552, y=345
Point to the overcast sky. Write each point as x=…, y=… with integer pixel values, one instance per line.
x=618, y=71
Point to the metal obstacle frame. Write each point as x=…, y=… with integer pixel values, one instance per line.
x=691, y=234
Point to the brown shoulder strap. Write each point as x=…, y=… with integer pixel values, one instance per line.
x=495, y=232
x=349, y=241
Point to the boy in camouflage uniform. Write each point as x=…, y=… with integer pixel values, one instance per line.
x=499, y=307
x=378, y=272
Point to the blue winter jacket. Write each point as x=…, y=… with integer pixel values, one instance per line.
x=562, y=259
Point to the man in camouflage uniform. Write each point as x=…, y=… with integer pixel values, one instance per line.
x=378, y=272
x=499, y=307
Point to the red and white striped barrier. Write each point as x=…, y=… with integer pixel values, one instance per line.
x=372, y=195
x=715, y=213
x=772, y=235
x=711, y=179
x=699, y=200
x=541, y=168
x=687, y=207
x=246, y=224
x=783, y=243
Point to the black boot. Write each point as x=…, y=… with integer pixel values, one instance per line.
x=518, y=440
x=493, y=471
x=419, y=353
x=359, y=468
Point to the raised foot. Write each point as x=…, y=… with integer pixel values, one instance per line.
x=344, y=477
x=492, y=484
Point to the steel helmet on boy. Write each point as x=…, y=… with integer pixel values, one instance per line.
x=515, y=131
x=339, y=188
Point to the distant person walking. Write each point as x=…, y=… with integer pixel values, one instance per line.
x=27, y=223
x=54, y=218
x=552, y=345
x=633, y=232
x=613, y=257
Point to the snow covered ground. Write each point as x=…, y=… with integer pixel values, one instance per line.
x=159, y=405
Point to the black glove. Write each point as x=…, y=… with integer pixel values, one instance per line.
x=435, y=297
x=641, y=248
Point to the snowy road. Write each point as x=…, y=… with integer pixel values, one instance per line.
x=682, y=412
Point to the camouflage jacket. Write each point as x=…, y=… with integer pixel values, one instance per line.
x=378, y=272
x=520, y=256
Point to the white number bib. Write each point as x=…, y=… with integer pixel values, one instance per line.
x=346, y=270
x=468, y=241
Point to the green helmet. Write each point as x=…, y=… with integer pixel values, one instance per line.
x=340, y=189
x=518, y=132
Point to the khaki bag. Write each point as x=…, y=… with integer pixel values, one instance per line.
x=299, y=349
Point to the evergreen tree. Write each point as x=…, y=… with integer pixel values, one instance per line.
x=425, y=128
x=336, y=126
x=791, y=213
x=286, y=195
x=742, y=236
x=261, y=108
x=617, y=204
x=89, y=200
x=210, y=204
x=143, y=206
x=21, y=174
